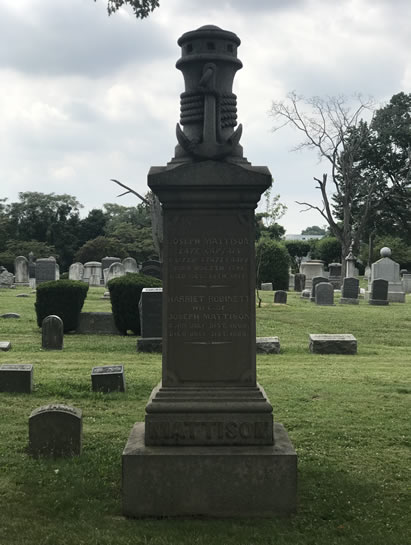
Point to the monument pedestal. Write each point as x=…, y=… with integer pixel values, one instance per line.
x=246, y=481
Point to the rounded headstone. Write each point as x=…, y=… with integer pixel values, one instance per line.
x=52, y=333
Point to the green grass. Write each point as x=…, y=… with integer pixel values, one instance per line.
x=348, y=418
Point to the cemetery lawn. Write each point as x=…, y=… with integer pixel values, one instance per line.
x=347, y=416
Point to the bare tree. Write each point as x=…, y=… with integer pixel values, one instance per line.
x=334, y=128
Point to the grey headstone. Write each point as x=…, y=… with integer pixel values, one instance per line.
x=76, y=271
x=32, y=266
x=107, y=261
x=316, y=280
x=108, y=378
x=97, y=323
x=21, y=270
x=130, y=265
x=335, y=273
x=46, y=270
x=5, y=346
x=55, y=430
x=333, y=343
x=92, y=273
x=267, y=345
x=52, y=333
x=306, y=294
x=280, y=297
x=266, y=286
x=153, y=268
x=299, y=282
x=16, y=378
x=23, y=295
x=115, y=270
x=150, y=344
x=150, y=308
x=350, y=291
x=10, y=315
x=6, y=279
x=324, y=294
x=379, y=292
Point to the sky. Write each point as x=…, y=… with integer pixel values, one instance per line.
x=85, y=97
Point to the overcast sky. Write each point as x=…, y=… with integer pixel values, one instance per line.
x=86, y=97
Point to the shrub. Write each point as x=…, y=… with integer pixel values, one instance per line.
x=297, y=250
x=64, y=298
x=328, y=249
x=273, y=262
x=125, y=292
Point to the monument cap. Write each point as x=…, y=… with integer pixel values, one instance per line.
x=385, y=252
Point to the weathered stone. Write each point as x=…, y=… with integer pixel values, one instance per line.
x=406, y=282
x=46, y=270
x=334, y=278
x=5, y=346
x=324, y=294
x=16, y=378
x=150, y=344
x=306, y=294
x=21, y=270
x=10, y=315
x=107, y=261
x=387, y=269
x=267, y=345
x=55, y=430
x=106, y=295
x=350, y=291
x=92, y=273
x=280, y=297
x=299, y=282
x=130, y=265
x=97, y=323
x=316, y=280
x=6, y=279
x=150, y=308
x=115, y=270
x=209, y=481
x=32, y=267
x=52, y=333
x=379, y=292
x=76, y=271
x=108, y=378
x=153, y=268
x=311, y=269
x=334, y=343
x=23, y=295
x=290, y=282
x=266, y=286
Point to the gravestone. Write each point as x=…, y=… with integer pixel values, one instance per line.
x=334, y=277
x=350, y=269
x=266, y=286
x=299, y=282
x=379, y=292
x=333, y=343
x=52, y=333
x=387, y=269
x=306, y=294
x=315, y=281
x=5, y=346
x=130, y=265
x=76, y=271
x=32, y=266
x=21, y=270
x=291, y=281
x=92, y=273
x=152, y=267
x=208, y=434
x=267, y=345
x=108, y=378
x=55, y=430
x=406, y=282
x=10, y=315
x=115, y=270
x=324, y=294
x=96, y=323
x=16, y=378
x=280, y=296
x=45, y=270
x=150, y=308
x=350, y=291
x=107, y=261
x=311, y=269
x=6, y=278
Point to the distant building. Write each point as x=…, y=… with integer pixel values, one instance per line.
x=303, y=237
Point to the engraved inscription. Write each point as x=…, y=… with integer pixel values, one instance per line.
x=208, y=431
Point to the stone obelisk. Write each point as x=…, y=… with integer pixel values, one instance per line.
x=208, y=445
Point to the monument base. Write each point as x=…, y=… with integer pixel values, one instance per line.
x=150, y=344
x=349, y=301
x=209, y=481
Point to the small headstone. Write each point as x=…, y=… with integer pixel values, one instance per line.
x=291, y=280
x=10, y=315
x=335, y=275
x=280, y=297
x=5, y=346
x=46, y=270
x=299, y=282
x=6, y=279
x=32, y=267
x=267, y=345
x=150, y=308
x=106, y=295
x=55, y=430
x=16, y=378
x=379, y=292
x=52, y=333
x=108, y=378
x=306, y=294
x=130, y=265
x=152, y=267
x=150, y=344
x=406, y=282
x=21, y=270
x=403, y=271
x=333, y=344
x=350, y=291
x=96, y=323
x=266, y=286
x=115, y=270
x=76, y=271
x=23, y=295
x=324, y=294
x=316, y=280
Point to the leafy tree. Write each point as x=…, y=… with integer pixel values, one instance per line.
x=327, y=249
x=273, y=262
x=141, y=8
x=137, y=241
x=297, y=250
x=314, y=230
x=93, y=225
x=13, y=248
x=96, y=249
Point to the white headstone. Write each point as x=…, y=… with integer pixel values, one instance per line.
x=21, y=270
x=76, y=271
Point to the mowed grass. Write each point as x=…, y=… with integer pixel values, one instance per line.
x=348, y=418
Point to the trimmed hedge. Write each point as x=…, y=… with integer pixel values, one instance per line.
x=64, y=298
x=272, y=262
x=125, y=292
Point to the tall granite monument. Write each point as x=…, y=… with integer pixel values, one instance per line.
x=208, y=445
